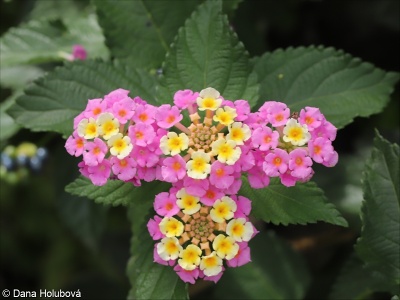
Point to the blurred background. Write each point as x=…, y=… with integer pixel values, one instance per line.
x=52, y=240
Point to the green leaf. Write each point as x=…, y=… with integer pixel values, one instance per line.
x=275, y=272
x=7, y=124
x=353, y=281
x=301, y=204
x=379, y=244
x=18, y=77
x=52, y=102
x=343, y=87
x=140, y=32
x=45, y=41
x=114, y=192
x=149, y=280
x=55, y=9
x=208, y=53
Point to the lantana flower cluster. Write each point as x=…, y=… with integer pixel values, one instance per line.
x=199, y=238
x=202, y=144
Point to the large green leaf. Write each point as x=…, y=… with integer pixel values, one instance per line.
x=275, y=272
x=140, y=32
x=7, y=124
x=52, y=102
x=353, y=281
x=343, y=87
x=300, y=204
x=149, y=280
x=379, y=244
x=41, y=41
x=208, y=53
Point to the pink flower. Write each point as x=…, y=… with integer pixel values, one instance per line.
x=257, y=178
x=115, y=96
x=288, y=180
x=125, y=169
x=123, y=110
x=144, y=114
x=300, y=163
x=234, y=188
x=173, y=169
x=141, y=134
x=94, y=108
x=242, y=109
x=196, y=187
x=100, y=173
x=154, y=228
x=312, y=117
x=278, y=113
x=215, y=278
x=75, y=144
x=243, y=206
x=211, y=195
x=148, y=174
x=79, y=52
x=83, y=169
x=326, y=130
x=246, y=160
x=145, y=157
x=264, y=138
x=167, y=116
x=94, y=152
x=165, y=205
x=184, y=98
x=320, y=149
x=332, y=160
x=187, y=276
x=79, y=118
x=221, y=175
x=242, y=257
x=276, y=162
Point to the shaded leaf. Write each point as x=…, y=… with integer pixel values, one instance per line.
x=208, y=53
x=343, y=87
x=40, y=41
x=149, y=280
x=7, y=124
x=275, y=272
x=18, y=77
x=140, y=32
x=301, y=204
x=379, y=244
x=52, y=102
x=353, y=281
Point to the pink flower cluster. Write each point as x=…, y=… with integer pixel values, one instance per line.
x=118, y=138
x=285, y=145
x=196, y=235
x=201, y=144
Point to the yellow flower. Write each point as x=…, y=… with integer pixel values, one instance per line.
x=226, y=150
x=209, y=98
x=190, y=257
x=120, y=146
x=223, y=209
x=225, y=115
x=296, y=133
x=239, y=133
x=225, y=247
x=172, y=143
x=169, y=248
x=88, y=129
x=170, y=227
x=199, y=166
x=240, y=230
x=107, y=125
x=211, y=265
x=190, y=204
